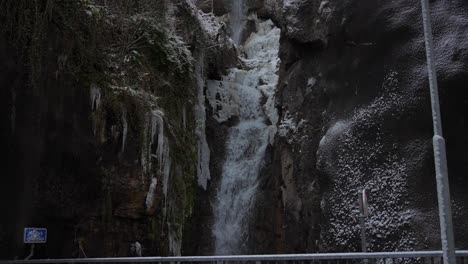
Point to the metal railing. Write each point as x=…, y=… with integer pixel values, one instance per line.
x=325, y=258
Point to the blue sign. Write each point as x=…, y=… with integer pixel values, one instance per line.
x=34, y=235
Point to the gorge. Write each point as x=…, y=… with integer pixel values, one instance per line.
x=213, y=127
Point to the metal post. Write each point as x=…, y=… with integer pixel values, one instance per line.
x=362, y=217
x=363, y=234
x=440, y=159
x=362, y=198
x=31, y=253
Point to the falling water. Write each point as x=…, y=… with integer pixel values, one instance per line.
x=238, y=19
x=247, y=142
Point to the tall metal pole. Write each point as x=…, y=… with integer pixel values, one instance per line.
x=440, y=158
x=362, y=221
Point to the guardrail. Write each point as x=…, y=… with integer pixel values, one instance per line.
x=328, y=258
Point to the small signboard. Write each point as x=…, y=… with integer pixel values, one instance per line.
x=34, y=235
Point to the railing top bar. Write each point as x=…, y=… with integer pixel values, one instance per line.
x=318, y=256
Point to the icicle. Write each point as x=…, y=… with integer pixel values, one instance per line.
x=95, y=94
x=166, y=168
x=170, y=16
x=157, y=126
x=248, y=140
x=175, y=241
x=156, y=123
x=145, y=148
x=203, y=151
x=175, y=229
x=150, y=195
x=138, y=249
x=124, y=129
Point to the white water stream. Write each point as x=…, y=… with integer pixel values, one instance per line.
x=247, y=142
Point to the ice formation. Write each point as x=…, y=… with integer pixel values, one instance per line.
x=124, y=129
x=247, y=141
x=203, y=151
x=150, y=196
x=95, y=94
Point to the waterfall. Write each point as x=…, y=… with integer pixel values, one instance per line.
x=247, y=142
x=238, y=19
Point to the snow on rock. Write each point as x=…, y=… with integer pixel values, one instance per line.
x=287, y=126
x=325, y=11
x=354, y=156
x=210, y=23
x=338, y=128
x=311, y=82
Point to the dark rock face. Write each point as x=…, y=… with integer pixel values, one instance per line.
x=83, y=131
x=355, y=111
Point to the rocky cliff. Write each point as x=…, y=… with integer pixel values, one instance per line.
x=355, y=113
x=101, y=123
x=110, y=138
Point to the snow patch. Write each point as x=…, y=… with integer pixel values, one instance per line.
x=287, y=126
x=311, y=82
